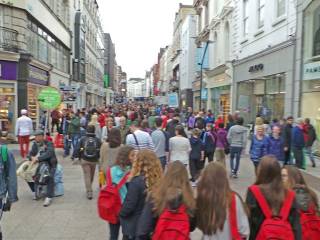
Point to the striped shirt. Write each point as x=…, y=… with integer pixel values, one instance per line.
x=143, y=140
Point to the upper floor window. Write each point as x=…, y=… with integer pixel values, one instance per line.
x=261, y=8
x=281, y=7
x=245, y=18
x=316, y=30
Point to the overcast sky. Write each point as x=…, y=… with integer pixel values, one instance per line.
x=139, y=28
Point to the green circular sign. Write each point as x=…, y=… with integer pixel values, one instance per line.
x=49, y=98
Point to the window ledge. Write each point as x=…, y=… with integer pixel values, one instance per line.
x=279, y=20
x=244, y=41
x=259, y=32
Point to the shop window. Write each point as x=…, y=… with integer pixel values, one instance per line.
x=259, y=87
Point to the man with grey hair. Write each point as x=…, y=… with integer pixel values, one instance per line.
x=297, y=140
x=23, y=130
x=124, y=130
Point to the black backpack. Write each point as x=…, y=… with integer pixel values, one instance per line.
x=90, y=148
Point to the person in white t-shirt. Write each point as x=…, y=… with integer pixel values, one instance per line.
x=23, y=131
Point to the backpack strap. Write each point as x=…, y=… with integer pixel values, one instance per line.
x=261, y=201
x=287, y=204
x=109, y=179
x=233, y=217
x=123, y=181
x=136, y=140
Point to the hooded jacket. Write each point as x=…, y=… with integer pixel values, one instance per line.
x=297, y=139
x=196, y=148
x=237, y=136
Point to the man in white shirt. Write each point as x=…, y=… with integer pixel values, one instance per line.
x=138, y=139
x=24, y=129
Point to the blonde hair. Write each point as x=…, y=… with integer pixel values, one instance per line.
x=94, y=120
x=148, y=165
x=259, y=121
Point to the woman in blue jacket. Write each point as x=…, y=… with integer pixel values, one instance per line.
x=259, y=146
x=276, y=144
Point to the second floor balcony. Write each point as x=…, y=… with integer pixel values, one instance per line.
x=9, y=39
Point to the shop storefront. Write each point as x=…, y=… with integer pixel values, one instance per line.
x=310, y=102
x=8, y=99
x=263, y=84
x=219, y=92
x=38, y=78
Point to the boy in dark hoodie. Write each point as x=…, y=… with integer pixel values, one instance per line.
x=196, y=157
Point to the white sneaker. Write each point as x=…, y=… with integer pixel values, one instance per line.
x=35, y=197
x=193, y=184
x=47, y=202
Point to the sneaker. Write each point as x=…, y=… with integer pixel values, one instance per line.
x=193, y=184
x=313, y=164
x=235, y=175
x=47, y=202
x=89, y=195
x=35, y=197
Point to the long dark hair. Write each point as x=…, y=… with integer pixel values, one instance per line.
x=213, y=198
x=296, y=180
x=114, y=138
x=270, y=182
x=180, y=130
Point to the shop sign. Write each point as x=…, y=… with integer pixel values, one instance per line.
x=311, y=71
x=173, y=100
x=38, y=76
x=49, y=98
x=256, y=68
x=69, y=93
x=8, y=70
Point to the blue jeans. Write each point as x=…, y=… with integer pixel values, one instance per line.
x=310, y=153
x=66, y=145
x=75, y=139
x=235, y=154
x=163, y=161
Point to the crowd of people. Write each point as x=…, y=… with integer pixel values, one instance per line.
x=166, y=155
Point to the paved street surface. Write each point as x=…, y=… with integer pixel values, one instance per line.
x=73, y=217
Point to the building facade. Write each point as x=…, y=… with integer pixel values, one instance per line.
x=35, y=48
x=187, y=60
x=264, y=49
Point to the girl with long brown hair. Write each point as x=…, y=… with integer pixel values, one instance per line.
x=145, y=174
x=275, y=193
x=214, y=197
x=172, y=191
x=307, y=201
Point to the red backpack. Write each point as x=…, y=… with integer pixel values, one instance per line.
x=274, y=227
x=310, y=223
x=173, y=225
x=109, y=201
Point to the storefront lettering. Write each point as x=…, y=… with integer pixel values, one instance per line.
x=256, y=68
x=37, y=75
x=311, y=71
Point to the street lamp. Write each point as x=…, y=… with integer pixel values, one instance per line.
x=201, y=69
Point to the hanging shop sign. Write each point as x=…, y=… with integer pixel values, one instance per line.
x=173, y=100
x=49, y=98
x=204, y=94
x=69, y=93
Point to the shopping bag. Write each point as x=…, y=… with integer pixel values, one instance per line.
x=27, y=170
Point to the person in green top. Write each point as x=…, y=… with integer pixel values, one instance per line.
x=152, y=120
x=124, y=129
x=125, y=157
x=74, y=131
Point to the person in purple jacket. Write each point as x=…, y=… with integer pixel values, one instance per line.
x=221, y=144
x=191, y=121
x=259, y=146
x=276, y=144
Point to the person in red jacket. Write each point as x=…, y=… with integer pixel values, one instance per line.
x=102, y=119
x=218, y=121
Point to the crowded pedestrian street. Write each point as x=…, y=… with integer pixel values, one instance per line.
x=159, y=120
